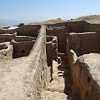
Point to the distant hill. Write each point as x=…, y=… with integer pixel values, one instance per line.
x=7, y=22
x=52, y=21
x=93, y=19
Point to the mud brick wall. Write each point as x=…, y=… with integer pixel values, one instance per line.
x=84, y=43
x=85, y=75
x=60, y=32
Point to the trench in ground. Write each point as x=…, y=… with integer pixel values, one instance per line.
x=59, y=88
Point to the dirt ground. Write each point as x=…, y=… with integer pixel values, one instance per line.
x=60, y=87
x=55, y=88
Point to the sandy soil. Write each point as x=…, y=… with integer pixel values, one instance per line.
x=55, y=88
x=12, y=73
x=60, y=87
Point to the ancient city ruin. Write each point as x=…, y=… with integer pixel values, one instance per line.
x=52, y=61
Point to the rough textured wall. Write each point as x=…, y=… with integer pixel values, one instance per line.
x=84, y=43
x=24, y=78
x=88, y=76
x=28, y=30
x=24, y=38
x=84, y=69
x=73, y=42
x=6, y=37
x=92, y=27
x=60, y=32
x=6, y=53
x=52, y=49
x=85, y=73
x=78, y=26
x=75, y=26
x=4, y=31
x=82, y=26
x=39, y=64
x=21, y=49
x=90, y=43
x=22, y=45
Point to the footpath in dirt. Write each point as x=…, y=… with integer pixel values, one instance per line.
x=56, y=88
x=59, y=88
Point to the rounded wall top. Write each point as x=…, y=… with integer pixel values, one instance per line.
x=3, y=46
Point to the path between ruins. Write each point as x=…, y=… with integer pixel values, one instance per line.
x=55, y=89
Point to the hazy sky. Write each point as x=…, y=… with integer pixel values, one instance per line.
x=37, y=10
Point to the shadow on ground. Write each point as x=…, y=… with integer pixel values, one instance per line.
x=68, y=82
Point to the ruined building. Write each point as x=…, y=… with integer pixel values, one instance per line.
x=29, y=56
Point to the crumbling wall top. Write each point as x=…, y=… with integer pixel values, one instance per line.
x=93, y=65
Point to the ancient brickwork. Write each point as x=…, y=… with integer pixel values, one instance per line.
x=84, y=43
x=6, y=37
x=24, y=78
x=85, y=75
x=6, y=51
x=22, y=45
x=51, y=49
x=60, y=32
x=84, y=68
x=26, y=52
x=28, y=30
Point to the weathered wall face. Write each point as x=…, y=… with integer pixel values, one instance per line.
x=3, y=46
x=90, y=43
x=78, y=26
x=28, y=30
x=75, y=26
x=81, y=26
x=83, y=69
x=51, y=49
x=88, y=81
x=92, y=28
x=4, y=31
x=6, y=37
x=22, y=48
x=25, y=77
x=60, y=32
x=22, y=45
x=7, y=52
x=85, y=75
x=73, y=42
x=38, y=64
x=24, y=38
x=84, y=43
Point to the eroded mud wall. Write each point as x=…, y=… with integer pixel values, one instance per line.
x=83, y=69
x=84, y=43
x=6, y=37
x=22, y=48
x=38, y=64
x=25, y=77
x=51, y=49
x=84, y=75
x=60, y=32
x=6, y=51
x=27, y=30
